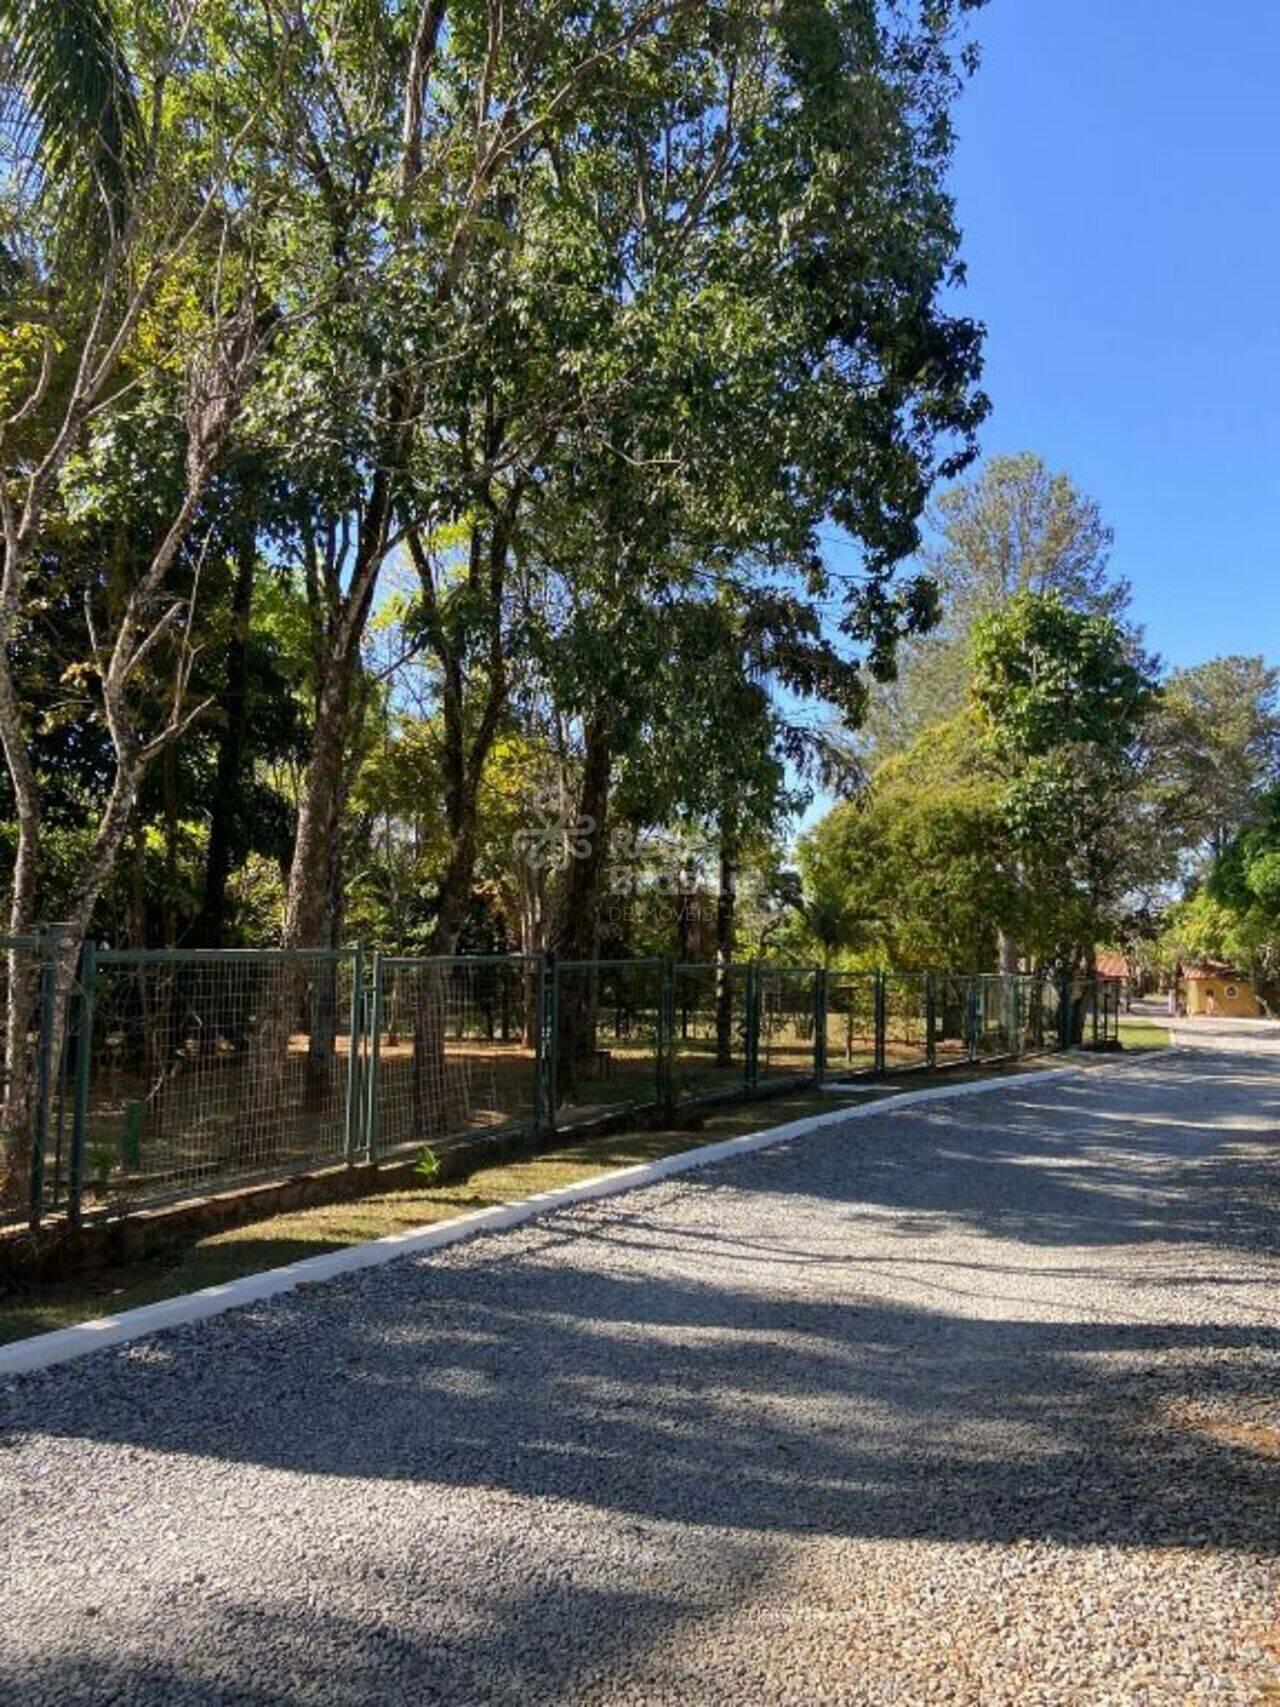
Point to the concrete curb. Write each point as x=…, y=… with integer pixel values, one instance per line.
x=42, y=1351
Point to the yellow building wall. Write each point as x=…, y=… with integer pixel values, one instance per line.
x=1242, y=1005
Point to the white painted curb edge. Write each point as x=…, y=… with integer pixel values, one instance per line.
x=44, y=1350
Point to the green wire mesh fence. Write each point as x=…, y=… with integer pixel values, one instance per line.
x=206, y=1069
x=785, y=1024
x=708, y=1045
x=137, y=1077
x=850, y=1029
x=609, y=1035
x=451, y=1047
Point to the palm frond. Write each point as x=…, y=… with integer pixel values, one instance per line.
x=65, y=60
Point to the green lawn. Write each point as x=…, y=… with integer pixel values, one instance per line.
x=302, y=1233
x=1137, y=1032
x=305, y=1233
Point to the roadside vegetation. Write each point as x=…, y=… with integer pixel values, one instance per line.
x=472, y=476
x=286, y=1238
x=309, y=1232
x=1139, y=1033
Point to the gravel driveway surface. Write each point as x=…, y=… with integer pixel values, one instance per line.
x=973, y=1402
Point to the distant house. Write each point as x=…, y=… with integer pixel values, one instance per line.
x=1214, y=988
x=1110, y=963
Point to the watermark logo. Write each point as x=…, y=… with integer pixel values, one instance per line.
x=671, y=864
x=557, y=835
x=658, y=876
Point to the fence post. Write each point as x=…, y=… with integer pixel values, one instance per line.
x=538, y=1026
x=84, y=1071
x=1094, y=1004
x=930, y=1021
x=819, y=1024
x=1011, y=1011
x=881, y=1021
x=1064, y=1012
x=375, y=1049
x=751, y=1050
x=551, y=1039
x=973, y=1018
x=666, y=1035
x=352, y=1110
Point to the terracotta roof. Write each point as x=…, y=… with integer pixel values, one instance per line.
x=1110, y=964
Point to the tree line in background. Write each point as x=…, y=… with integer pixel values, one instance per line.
x=423, y=426
x=1038, y=788
x=413, y=410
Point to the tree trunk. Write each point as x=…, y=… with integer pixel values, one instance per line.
x=319, y=1012
x=112, y=828
x=141, y=624
x=307, y=896
x=455, y=887
x=1007, y=950
x=306, y=907
x=169, y=792
x=465, y=766
x=465, y=759
x=531, y=943
x=430, y=1056
x=579, y=926
x=580, y=921
x=307, y=910
x=305, y=991
x=430, y=1083
x=21, y=969
x=210, y=927
x=684, y=914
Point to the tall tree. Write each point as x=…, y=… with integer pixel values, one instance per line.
x=151, y=307
x=914, y=872
x=1015, y=527
x=809, y=374
x=1063, y=702
x=1233, y=914
x=1216, y=748
x=435, y=142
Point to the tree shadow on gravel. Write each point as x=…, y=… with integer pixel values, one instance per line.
x=250, y=1655
x=662, y=1366
x=1187, y=1152
x=741, y=1421
x=701, y=1403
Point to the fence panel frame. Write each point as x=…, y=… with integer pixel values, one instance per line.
x=535, y=972
x=295, y=1158
x=1002, y=1016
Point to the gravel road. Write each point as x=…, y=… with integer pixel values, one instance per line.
x=973, y=1402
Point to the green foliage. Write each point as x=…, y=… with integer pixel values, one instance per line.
x=100, y=1161
x=1216, y=748
x=1015, y=527
x=1013, y=819
x=1047, y=678
x=1262, y=877
x=636, y=304
x=1235, y=915
x=1060, y=700
x=1201, y=928
x=916, y=867
x=1063, y=697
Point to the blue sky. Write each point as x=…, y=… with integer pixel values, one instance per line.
x=1118, y=184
